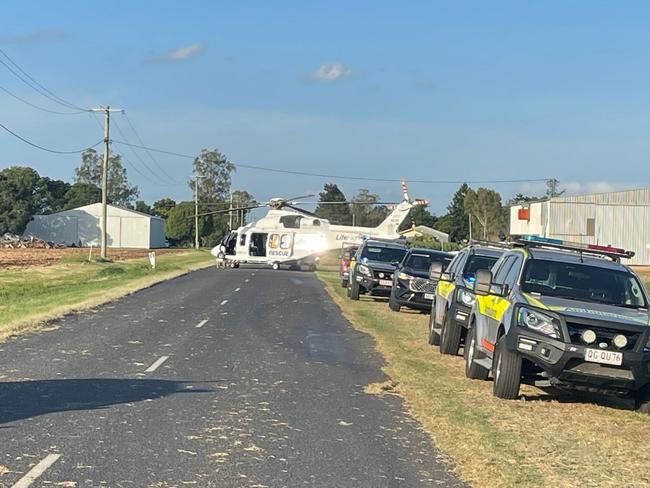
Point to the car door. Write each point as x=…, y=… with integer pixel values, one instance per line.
x=445, y=288
x=494, y=306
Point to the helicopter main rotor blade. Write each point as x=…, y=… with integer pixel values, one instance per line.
x=228, y=210
x=287, y=200
x=346, y=202
x=302, y=211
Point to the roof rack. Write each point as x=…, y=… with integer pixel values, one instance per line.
x=498, y=244
x=614, y=253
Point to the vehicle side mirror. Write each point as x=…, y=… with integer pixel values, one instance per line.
x=500, y=290
x=435, y=271
x=483, y=282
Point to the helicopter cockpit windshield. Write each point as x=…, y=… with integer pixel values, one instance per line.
x=229, y=242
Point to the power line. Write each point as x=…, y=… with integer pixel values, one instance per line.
x=37, y=106
x=137, y=156
x=45, y=148
x=340, y=177
x=128, y=120
x=43, y=90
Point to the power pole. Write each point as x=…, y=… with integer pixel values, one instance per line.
x=196, y=212
x=107, y=139
x=230, y=213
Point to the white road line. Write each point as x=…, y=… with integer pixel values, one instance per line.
x=157, y=364
x=237, y=289
x=224, y=302
x=36, y=471
x=202, y=323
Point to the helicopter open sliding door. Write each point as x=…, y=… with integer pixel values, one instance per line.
x=257, y=246
x=280, y=245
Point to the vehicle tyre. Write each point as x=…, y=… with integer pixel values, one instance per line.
x=434, y=337
x=506, y=370
x=236, y=265
x=354, y=291
x=344, y=283
x=450, y=335
x=642, y=400
x=473, y=370
x=276, y=266
x=392, y=302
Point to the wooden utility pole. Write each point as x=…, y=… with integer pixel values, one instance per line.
x=107, y=139
x=196, y=212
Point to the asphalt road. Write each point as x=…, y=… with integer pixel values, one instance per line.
x=219, y=378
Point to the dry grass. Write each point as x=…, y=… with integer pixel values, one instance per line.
x=544, y=439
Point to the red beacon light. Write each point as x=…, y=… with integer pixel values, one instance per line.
x=617, y=250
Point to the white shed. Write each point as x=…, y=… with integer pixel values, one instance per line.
x=619, y=219
x=126, y=228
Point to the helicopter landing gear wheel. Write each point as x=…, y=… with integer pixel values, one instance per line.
x=275, y=266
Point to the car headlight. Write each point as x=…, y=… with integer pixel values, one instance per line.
x=465, y=297
x=363, y=269
x=539, y=322
x=404, y=276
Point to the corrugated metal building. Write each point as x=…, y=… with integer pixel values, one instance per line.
x=620, y=219
x=126, y=228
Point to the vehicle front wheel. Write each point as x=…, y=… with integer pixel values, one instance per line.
x=276, y=266
x=642, y=400
x=354, y=291
x=450, y=336
x=392, y=302
x=470, y=353
x=434, y=337
x=506, y=370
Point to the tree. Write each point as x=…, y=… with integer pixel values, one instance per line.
x=421, y=216
x=552, y=188
x=214, y=176
x=141, y=206
x=241, y=198
x=363, y=203
x=162, y=207
x=120, y=192
x=335, y=213
x=53, y=195
x=179, y=225
x=521, y=198
x=484, y=205
x=81, y=194
x=455, y=223
x=21, y=191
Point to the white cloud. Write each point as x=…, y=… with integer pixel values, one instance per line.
x=331, y=72
x=180, y=54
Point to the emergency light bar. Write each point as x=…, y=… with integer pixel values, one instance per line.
x=612, y=252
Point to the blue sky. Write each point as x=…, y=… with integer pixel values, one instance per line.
x=421, y=90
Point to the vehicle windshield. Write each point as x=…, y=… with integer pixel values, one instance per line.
x=422, y=262
x=475, y=262
x=583, y=282
x=383, y=254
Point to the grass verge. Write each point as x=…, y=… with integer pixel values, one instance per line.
x=541, y=440
x=29, y=297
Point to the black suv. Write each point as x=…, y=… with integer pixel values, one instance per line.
x=411, y=284
x=374, y=265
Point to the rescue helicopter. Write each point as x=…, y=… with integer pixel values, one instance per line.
x=291, y=236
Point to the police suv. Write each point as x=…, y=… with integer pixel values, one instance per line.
x=373, y=266
x=566, y=312
x=454, y=295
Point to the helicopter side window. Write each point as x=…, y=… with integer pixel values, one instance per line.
x=242, y=239
x=291, y=221
x=316, y=223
